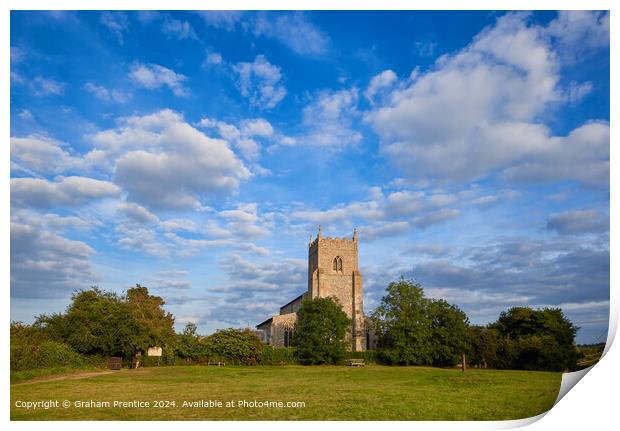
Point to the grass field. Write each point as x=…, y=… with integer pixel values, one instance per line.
x=328, y=392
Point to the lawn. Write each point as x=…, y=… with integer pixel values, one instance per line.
x=328, y=392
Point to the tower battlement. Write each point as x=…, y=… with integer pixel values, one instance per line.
x=332, y=241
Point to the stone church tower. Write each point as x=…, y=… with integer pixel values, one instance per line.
x=332, y=272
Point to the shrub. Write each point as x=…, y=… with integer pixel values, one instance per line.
x=239, y=347
x=278, y=356
x=47, y=354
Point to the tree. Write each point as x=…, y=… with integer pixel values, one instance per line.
x=539, y=339
x=321, y=332
x=484, y=345
x=449, y=330
x=104, y=323
x=155, y=327
x=403, y=325
x=188, y=345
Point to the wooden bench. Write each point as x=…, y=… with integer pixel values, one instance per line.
x=219, y=364
x=356, y=362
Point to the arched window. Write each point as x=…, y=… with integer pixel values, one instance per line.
x=337, y=264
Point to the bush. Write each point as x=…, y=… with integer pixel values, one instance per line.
x=236, y=346
x=278, y=356
x=47, y=354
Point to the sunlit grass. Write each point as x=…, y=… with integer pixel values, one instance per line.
x=329, y=392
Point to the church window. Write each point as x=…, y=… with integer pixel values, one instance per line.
x=288, y=337
x=337, y=264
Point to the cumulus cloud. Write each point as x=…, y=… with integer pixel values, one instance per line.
x=380, y=82
x=293, y=30
x=42, y=154
x=163, y=162
x=579, y=32
x=153, y=76
x=47, y=265
x=260, y=82
x=136, y=213
x=389, y=214
x=243, y=221
x=328, y=119
x=65, y=191
x=485, y=100
x=243, y=136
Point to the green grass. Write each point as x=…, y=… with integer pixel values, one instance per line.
x=329, y=393
x=21, y=376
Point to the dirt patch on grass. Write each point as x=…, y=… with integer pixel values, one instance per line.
x=70, y=376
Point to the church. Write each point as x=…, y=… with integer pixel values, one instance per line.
x=332, y=272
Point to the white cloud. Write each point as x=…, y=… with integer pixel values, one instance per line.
x=47, y=265
x=388, y=214
x=485, y=101
x=163, y=162
x=380, y=82
x=42, y=154
x=243, y=221
x=136, y=213
x=579, y=32
x=25, y=115
x=242, y=136
x=256, y=127
x=66, y=191
x=328, y=119
x=143, y=239
x=178, y=224
x=152, y=76
x=116, y=22
x=260, y=82
x=45, y=86
x=178, y=29
x=102, y=93
x=576, y=91
x=370, y=233
x=212, y=58
x=292, y=30
x=224, y=19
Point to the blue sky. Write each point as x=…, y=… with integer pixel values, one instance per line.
x=196, y=152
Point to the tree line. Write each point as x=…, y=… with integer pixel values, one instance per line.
x=410, y=329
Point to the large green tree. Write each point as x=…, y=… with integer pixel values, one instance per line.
x=402, y=324
x=414, y=330
x=538, y=339
x=449, y=332
x=321, y=332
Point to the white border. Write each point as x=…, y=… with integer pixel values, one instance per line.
x=590, y=405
